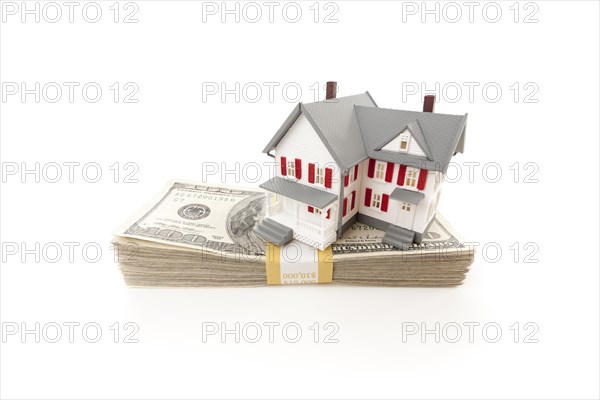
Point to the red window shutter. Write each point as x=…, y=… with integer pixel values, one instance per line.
x=389, y=172
x=384, y=202
x=401, y=175
x=311, y=209
x=345, y=206
x=298, y=168
x=328, y=174
x=422, y=179
x=328, y=213
x=371, y=171
x=368, y=193
x=283, y=166
x=356, y=172
x=353, y=198
x=311, y=173
x=346, y=180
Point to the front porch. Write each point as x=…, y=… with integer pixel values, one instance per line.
x=311, y=213
x=313, y=229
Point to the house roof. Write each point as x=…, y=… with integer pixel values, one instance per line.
x=353, y=128
x=336, y=124
x=299, y=192
x=409, y=196
x=438, y=133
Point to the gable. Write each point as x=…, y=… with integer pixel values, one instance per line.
x=437, y=135
x=302, y=141
x=336, y=125
x=404, y=143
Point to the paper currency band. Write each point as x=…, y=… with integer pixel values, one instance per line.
x=297, y=263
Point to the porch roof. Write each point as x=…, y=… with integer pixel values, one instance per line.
x=299, y=192
x=408, y=196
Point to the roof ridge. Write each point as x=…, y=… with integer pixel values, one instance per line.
x=424, y=145
x=416, y=112
x=362, y=137
x=343, y=97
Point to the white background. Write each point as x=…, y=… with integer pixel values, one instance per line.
x=171, y=131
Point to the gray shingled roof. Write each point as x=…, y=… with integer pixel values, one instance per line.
x=440, y=132
x=354, y=128
x=410, y=196
x=338, y=124
x=335, y=122
x=299, y=192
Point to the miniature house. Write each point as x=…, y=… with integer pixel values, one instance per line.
x=344, y=160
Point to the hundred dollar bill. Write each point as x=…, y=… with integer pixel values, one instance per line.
x=221, y=219
x=207, y=217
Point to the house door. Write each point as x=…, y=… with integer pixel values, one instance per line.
x=406, y=215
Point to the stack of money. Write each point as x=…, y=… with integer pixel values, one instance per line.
x=194, y=235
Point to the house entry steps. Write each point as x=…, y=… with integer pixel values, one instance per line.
x=398, y=237
x=274, y=232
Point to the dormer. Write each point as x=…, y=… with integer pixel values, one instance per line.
x=409, y=140
x=404, y=143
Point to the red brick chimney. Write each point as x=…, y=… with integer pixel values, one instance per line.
x=331, y=91
x=428, y=103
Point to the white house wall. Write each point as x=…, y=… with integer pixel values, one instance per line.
x=422, y=215
x=379, y=187
x=353, y=185
x=302, y=141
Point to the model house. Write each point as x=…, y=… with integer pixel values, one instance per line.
x=344, y=160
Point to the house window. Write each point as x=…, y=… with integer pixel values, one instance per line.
x=351, y=176
x=291, y=168
x=380, y=171
x=313, y=210
x=411, y=177
x=404, y=138
x=406, y=207
x=347, y=205
x=320, y=176
x=273, y=198
x=376, y=201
